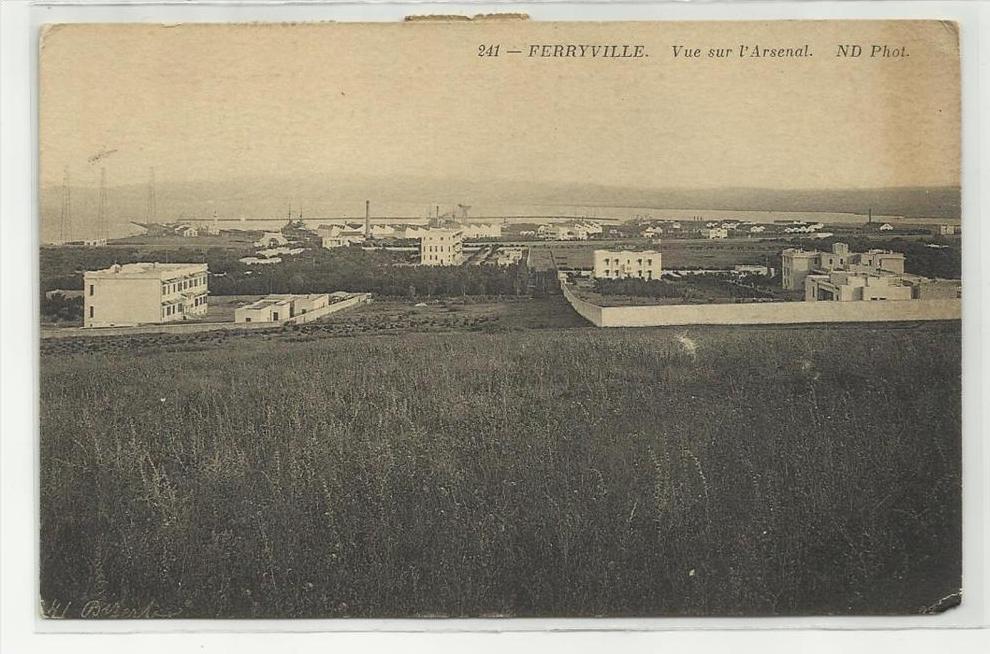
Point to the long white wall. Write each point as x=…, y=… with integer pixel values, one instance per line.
x=765, y=313
x=590, y=312
x=310, y=316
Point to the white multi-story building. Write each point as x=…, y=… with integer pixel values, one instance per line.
x=441, y=247
x=621, y=264
x=140, y=293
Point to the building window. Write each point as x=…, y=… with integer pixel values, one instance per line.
x=275, y=316
x=90, y=311
x=247, y=320
x=91, y=289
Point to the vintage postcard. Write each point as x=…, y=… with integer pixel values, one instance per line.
x=500, y=318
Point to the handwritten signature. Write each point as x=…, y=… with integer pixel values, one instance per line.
x=105, y=609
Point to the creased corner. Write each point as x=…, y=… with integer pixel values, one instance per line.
x=943, y=604
x=47, y=31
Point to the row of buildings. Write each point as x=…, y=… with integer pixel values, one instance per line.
x=844, y=276
x=576, y=230
x=342, y=234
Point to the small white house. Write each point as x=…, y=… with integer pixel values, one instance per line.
x=278, y=308
x=271, y=240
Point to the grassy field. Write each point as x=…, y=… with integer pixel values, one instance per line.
x=727, y=471
x=383, y=316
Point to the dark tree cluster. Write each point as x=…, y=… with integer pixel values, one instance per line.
x=59, y=308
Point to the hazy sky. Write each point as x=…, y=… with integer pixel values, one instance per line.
x=214, y=102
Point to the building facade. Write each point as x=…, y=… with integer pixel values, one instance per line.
x=143, y=293
x=623, y=264
x=441, y=247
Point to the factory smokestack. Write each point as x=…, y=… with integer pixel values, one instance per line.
x=367, y=218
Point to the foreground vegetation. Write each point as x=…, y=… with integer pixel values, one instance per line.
x=694, y=289
x=578, y=472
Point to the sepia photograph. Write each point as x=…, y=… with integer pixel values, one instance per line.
x=499, y=318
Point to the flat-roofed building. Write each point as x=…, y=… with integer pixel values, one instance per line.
x=797, y=264
x=622, y=264
x=268, y=309
x=142, y=293
x=847, y=286
x=924, y=288
x=281, y=307
x=441, y=247
x=879, y=260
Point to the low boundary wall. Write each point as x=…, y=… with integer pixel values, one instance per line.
x=765, y=313
x=590, y=312
x=316, y=314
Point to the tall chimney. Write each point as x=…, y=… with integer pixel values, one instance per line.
x=367, y=218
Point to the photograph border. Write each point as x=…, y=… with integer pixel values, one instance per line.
x=20, y=245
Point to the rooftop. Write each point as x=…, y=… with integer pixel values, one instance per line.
x=149, y=269
x=265, y=303
x=603, y=251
